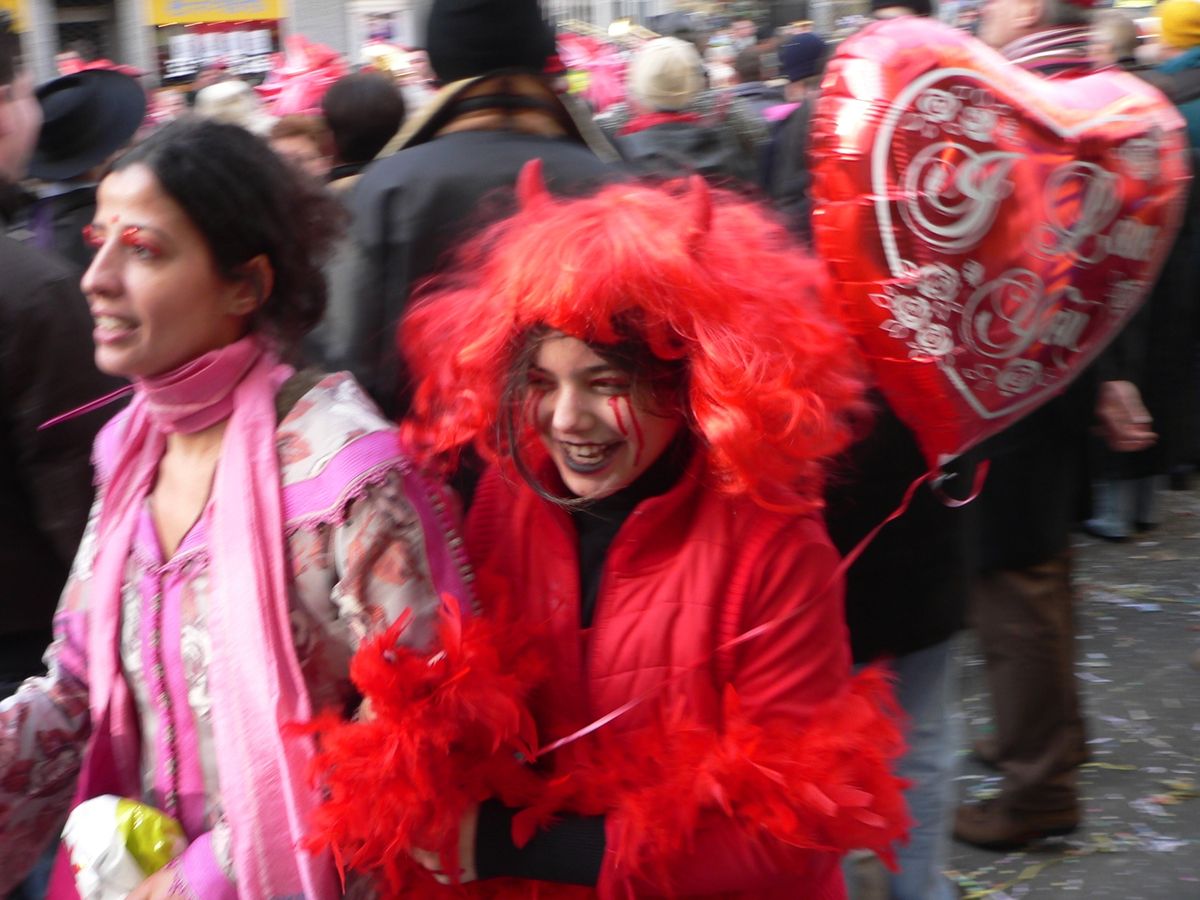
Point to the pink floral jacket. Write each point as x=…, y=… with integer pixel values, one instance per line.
x=367, y=538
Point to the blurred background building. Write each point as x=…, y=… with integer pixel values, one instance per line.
x=170, y=40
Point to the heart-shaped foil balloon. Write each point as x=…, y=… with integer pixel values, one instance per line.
x=990, y=230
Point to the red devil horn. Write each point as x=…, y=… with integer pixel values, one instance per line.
x=531, y=188
x=702, y=200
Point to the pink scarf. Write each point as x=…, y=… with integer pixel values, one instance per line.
x=255, y=680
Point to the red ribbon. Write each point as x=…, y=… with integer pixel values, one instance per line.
x=937, y=479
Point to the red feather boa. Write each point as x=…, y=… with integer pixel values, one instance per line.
x=450, y=730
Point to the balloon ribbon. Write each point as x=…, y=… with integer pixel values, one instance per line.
x=838, y=573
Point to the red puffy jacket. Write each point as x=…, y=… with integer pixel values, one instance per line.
x=748, y=751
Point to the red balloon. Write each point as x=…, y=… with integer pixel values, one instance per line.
x=990, y=230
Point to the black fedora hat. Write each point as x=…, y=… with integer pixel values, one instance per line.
x=85, y=118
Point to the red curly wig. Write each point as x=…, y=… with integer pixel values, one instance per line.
x=774, y=384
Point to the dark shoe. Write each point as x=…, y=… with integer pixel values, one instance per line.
x=994, y=826
x=986, y=752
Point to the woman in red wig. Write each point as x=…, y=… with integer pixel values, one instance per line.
x=655, y=383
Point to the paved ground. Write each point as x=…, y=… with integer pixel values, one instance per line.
x=1139, y=624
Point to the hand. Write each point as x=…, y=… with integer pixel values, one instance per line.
x=466, y=852
x=158, y=886
x=1124, y=420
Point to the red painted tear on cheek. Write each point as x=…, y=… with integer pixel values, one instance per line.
x=639, y=439
x=614, y=403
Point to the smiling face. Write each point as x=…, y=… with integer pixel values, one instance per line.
x=156, y=295
x=600, y=436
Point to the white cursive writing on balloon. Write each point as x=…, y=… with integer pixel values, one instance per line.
x=1001, y=318
x=1004, y=317
x=952, y=193
x=1097, y=205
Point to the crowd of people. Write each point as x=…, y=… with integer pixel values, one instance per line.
x=457, y=348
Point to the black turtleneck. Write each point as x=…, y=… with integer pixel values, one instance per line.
x=597, y=523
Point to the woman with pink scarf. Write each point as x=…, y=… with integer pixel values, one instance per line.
x=252, y=525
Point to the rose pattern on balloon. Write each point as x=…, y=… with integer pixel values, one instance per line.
x=1019, y=376
x=989, y=230
x=939, y=283
x=934, y=341
x=913, y=317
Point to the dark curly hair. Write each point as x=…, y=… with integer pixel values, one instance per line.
x=246, y=201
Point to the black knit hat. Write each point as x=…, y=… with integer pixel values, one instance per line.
x=465, y=38
x=919, y=7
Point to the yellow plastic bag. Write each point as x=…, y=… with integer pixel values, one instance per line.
x=116, y=843
x=152, y=837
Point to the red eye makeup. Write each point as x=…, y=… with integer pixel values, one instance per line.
x=92, y=236
x=133, y=236
x=137, y=240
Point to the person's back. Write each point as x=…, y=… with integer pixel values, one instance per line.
x=409, y=211
x=1156, y=350
x=363, y=110
x=665, y=138
x=785, y=166
x=45, y=369
x=675, y=147
x=45, y=476
x=1178, y=73
x=52, y=221
x=749, y=85
x=497, y=112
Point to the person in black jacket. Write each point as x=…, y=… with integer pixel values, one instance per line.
x=1154, y=357
x=45, y=368
x=497, y=110
x=786, y=173
x=906, y=600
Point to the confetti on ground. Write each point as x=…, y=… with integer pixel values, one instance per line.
x=1138, y=626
